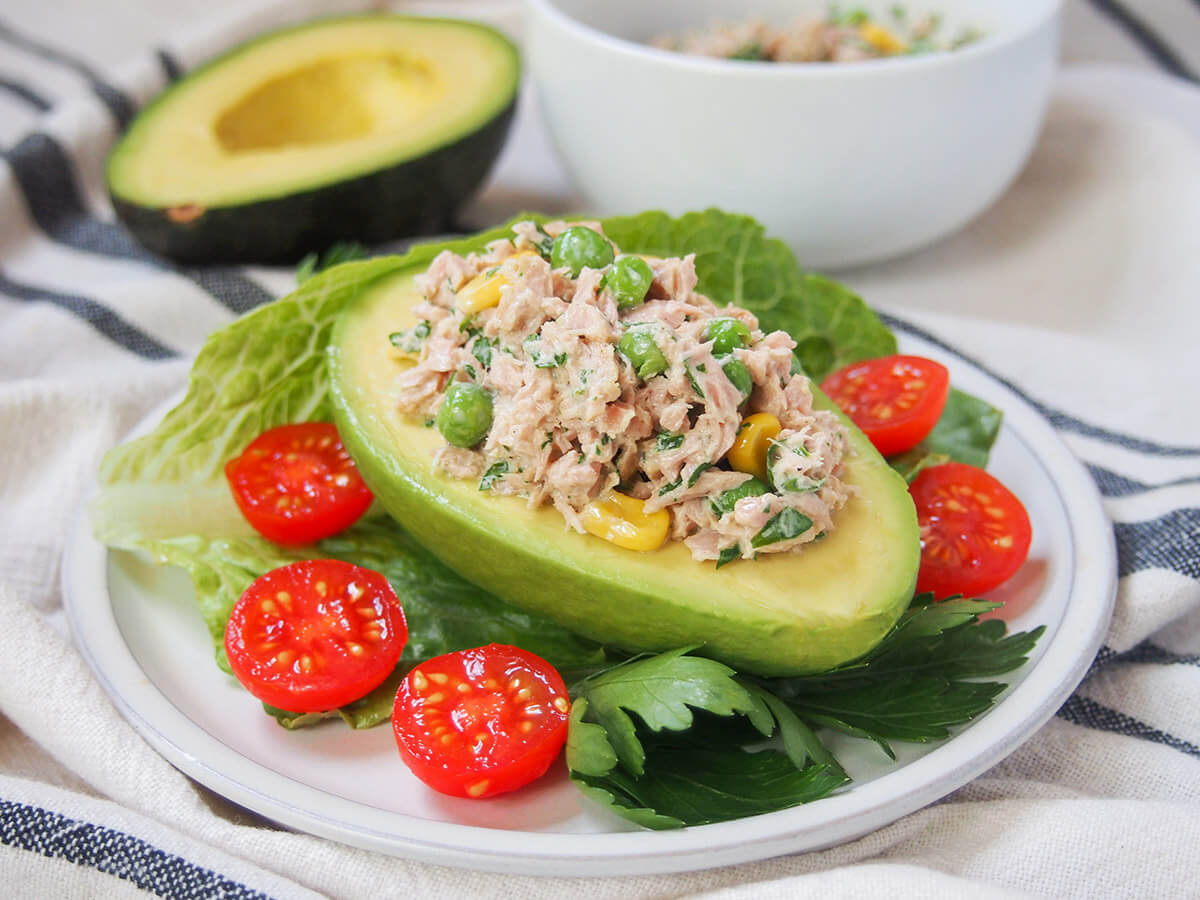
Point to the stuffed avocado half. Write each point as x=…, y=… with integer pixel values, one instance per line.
x=789, y=613
x=363, y=127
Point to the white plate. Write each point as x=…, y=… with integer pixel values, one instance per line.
x=138, y=628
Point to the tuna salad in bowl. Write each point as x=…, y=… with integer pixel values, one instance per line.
x=560, y=370
x=849, y=162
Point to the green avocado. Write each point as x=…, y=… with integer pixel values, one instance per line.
x=362, y=128
x=782, y=614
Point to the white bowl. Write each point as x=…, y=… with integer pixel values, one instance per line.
x=848, y=163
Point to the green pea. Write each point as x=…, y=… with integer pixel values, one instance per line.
x=727, y=334
x=638, y=346
x=580, y=247
x=629, y=279
x=465, y=414
x=724, y=502
x=735, y=370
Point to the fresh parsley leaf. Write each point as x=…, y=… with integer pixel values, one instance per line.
x=728, y=555
x=783, y=526
x=481, y=349
x=668, y=441
x=662, y=691
x=494, y=471
x=667, y=488
x=698, y=786
x=800, y=742
x=919, y=681
x=697, y=472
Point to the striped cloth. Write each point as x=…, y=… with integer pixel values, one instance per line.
x=1078, y=289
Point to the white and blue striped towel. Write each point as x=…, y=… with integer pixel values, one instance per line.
x=1079, y=289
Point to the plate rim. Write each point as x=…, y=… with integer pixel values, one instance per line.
x=1022, y=710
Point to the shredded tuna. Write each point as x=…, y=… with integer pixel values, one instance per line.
x=572, y=420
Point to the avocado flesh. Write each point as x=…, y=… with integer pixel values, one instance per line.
x=782, y=614
x=364, y=127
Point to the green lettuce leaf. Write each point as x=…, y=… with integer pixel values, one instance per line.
x=737, y=263
x=267, y=368
x=965, y=432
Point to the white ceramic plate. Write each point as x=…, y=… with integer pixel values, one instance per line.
x=139, y=630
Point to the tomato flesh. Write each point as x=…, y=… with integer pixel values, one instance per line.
x=895, y=400
x=481, y=722
x=975, y=533
x=315, y=635
x=296, y=484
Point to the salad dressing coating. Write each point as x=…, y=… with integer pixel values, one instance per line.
x=573, y=420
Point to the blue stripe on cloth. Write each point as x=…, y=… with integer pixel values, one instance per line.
x=1113, y=485
x=1172, y=541
x=171, y=69
x=117, y=103
x=44, y=173
x=114, y=853
x=25, y=93
x=98, y=316
x=1090, y=714
x=1145, y=37
x=1057, y=418
x=1145, y=653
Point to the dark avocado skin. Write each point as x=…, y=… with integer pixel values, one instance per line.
x=419, y=196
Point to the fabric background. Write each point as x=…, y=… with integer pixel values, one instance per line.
x=1079, y=288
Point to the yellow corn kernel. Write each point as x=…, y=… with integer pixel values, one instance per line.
x=483, y=291
x=881, y=39
x=749, y=451
x=619, y=519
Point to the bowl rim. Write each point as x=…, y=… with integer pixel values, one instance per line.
x=987, y=45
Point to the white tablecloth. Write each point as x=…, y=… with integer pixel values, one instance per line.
x=1079, y=287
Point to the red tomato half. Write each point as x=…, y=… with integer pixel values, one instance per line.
x=315, y=635
x=481, y=722
x=895, y=400
x=297, y=484
x=975, y=533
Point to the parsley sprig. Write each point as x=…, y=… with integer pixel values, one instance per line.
x=676, y=739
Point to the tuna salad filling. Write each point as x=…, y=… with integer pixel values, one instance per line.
x=560, y=370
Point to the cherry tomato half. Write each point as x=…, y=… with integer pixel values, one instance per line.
x=297, y=484
x=975, y=533
x=481, y=722
x=315, y=635
x=895, y=400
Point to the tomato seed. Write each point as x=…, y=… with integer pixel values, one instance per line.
x=478, y=788
x=435, y=698
x=439, y=677
x=562, y=704
x=419, y=681
x=355, y=649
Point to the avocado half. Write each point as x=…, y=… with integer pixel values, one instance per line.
x=360, y=128
x=782, y=614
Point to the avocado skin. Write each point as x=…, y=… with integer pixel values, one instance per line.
x=419, y=196
x=651, y=602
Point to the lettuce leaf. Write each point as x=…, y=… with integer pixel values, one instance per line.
x=737, y=263
x=965, y=433
x=267, y=368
